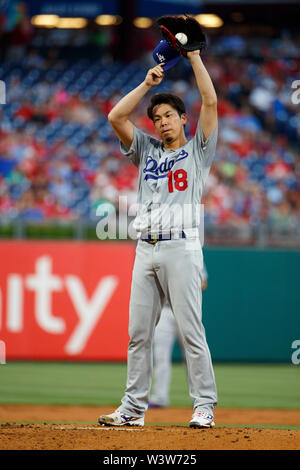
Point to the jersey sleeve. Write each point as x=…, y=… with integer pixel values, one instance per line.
x=205, y=150
x=138, y=147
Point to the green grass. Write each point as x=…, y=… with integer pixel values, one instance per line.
x=239, y=385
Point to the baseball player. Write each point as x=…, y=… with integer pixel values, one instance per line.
x=166, y=332
x=168, y=262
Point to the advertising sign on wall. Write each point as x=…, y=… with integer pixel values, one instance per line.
x=65, y=300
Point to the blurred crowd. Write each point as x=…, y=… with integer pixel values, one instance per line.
x=59, y=158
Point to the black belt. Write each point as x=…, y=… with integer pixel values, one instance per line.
x=146, y=237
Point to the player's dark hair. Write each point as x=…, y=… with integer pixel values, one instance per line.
x=166, y=98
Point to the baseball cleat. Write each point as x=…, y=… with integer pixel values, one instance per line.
x=201, y=419
x=118, y=419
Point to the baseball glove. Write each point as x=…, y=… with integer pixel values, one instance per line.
x=171, y=25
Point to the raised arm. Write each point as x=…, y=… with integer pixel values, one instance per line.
x=119, y=115
x=208, y=113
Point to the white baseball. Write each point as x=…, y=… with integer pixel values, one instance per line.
x=182, y=38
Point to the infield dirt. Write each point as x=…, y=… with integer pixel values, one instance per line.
x=33, y=427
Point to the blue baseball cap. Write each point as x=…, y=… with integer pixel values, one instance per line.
x=165, y=53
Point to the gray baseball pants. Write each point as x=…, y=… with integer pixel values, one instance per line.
x=171, y=269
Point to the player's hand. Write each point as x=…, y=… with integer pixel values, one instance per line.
x=154, y=76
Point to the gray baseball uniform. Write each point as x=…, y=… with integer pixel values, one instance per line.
x=168, y=269
x=166, y=332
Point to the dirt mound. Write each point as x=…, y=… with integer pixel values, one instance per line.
x=168, y=433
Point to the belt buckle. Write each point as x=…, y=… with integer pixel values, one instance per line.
x=153, y=241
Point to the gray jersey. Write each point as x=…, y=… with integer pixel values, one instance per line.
x=170, y=182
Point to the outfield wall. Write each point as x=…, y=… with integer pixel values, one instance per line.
x=69, y=301
x=251, y=308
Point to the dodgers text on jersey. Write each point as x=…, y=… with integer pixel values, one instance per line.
x=154, y=170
